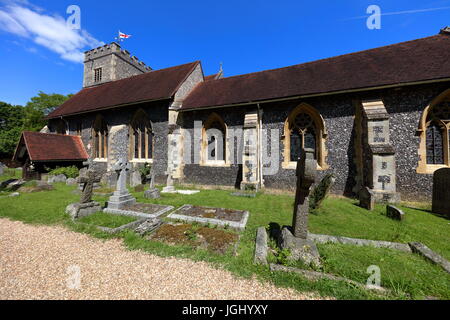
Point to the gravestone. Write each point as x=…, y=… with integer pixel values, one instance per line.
x=297, y=241
x=71, y=182
x=441, y=192
x=366, y=199
x=394, y=213
x=109, y=179
x=135, y=178
x=57, y=179
x=86, y=206
x=2, y=168
x=152, y=192
x=169, y=188
x=121, y=197
x=306, y=176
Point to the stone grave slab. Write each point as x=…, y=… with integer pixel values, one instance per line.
x=143, y=210
x=235, y=219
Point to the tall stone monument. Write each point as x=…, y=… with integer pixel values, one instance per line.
x=441, y=192
x=121, y=197
x=297, y=240
x=378, y=168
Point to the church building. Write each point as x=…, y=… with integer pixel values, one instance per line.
x=377, y=118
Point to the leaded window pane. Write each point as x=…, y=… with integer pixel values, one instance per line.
x=296, y=146
x=434, y=145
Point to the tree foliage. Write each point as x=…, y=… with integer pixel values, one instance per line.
x=16, y=119
x=11, y=123
x=39, y=107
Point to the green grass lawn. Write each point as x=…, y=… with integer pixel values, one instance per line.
x=406, y=275
x=102, y=219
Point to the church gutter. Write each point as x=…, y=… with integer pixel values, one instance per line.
x=316, y=95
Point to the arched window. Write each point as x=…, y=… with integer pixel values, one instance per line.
x=214, y=144
x=434, y=132
x=304, y=128
x=437, y=134
x=141, y=137
x=100, y=138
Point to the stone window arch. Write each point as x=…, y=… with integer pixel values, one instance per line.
x=304, y=128
x=141, y=137
x=434, y=132
x=100, y=138
x=214, y=141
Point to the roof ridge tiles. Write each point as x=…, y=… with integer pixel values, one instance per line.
x=333, y=57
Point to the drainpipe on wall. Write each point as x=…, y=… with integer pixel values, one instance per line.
x=260, y=152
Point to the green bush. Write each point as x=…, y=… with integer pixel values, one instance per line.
x=320, y=192
x=69, y=172
x=146, y=169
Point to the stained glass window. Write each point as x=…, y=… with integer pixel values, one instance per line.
x=437, y=127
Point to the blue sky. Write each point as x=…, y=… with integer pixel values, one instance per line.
x=37, y=51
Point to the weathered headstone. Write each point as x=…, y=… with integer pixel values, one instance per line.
x=86, y=206
x=88, y=181
x=71, y=182
x=169, y=188
x=441, y=192
x=297, y=242
x=135, y=178
x=148, y=226
x=306, y=176
x=2, y=168
x=57, y=179
x=366, y=199
x=121, y=197
x=261, y=246
x=152, y=192
x=109, y=179
x=394, y=213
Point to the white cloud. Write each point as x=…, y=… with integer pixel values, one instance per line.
x=21, y=18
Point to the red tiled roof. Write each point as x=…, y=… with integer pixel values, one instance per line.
x=52, y=147
x=407, y=62
x=211, y=77
x=154, y=85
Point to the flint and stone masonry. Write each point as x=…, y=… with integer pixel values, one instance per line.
x=368, y=138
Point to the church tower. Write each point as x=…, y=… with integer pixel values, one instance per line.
x=109, y=63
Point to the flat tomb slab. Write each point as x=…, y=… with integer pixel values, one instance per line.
x=200, y=237
x=141, y=210
x=235, y=219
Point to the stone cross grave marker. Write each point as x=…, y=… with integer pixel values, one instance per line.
x=121, y=197
x=306, y=176
x=152, y=192
x=122, y=167
x=88, y=181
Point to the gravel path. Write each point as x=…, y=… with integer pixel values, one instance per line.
x=40, y=262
